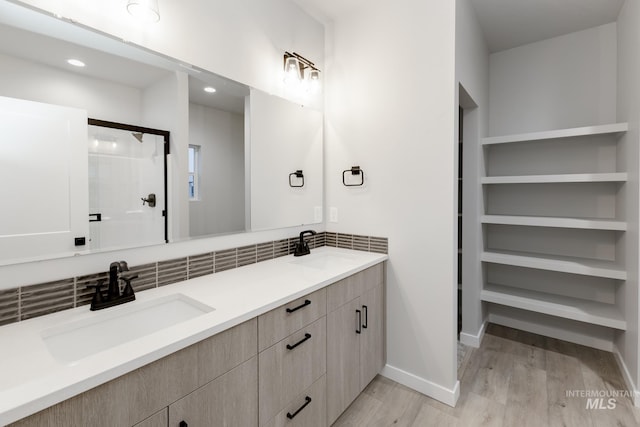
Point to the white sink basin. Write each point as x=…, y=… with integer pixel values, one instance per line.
x=117, y=325
x=323, y=260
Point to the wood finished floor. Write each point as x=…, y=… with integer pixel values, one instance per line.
x=515, y=379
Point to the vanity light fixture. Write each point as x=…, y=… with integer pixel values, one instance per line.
x=75, y=62
x=209, y=89
x=144, y=10
x=294, y=70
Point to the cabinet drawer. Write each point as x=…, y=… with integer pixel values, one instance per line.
x=352, y=287
x=285, y=320
x=308, y=409
x=229, y=400
x=291, y=366
x=159, y=419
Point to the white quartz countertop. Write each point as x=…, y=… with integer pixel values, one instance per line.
x=32, y=379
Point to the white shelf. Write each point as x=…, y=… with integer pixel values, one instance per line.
x=558, y=222
x=546, y=179
x=555, y=305
x=561, y=264
x=615, y=128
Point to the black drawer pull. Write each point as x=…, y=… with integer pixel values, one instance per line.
x=307, y=401
x=183, y=424
x=359, y=322
x=366, y=316
x=292, y=346
x=303, y=305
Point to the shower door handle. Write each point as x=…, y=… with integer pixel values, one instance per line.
x=151, y=200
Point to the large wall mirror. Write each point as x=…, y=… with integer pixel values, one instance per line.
x=232, y=148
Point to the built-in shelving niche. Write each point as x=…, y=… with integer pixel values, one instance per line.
x=553, y=228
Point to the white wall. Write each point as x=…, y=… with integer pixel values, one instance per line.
x=628, y=109
x=261, y=31
x=563, y=82
x=220, y=135
x=390, y=108
x=472, y=73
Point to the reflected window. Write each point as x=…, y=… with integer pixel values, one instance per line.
x=194, y=172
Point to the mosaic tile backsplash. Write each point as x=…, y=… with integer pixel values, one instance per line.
x=39, y=299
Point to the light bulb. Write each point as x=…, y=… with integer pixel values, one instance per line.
x=292, y=70
x=144, y=10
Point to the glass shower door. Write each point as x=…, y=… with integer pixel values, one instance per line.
x=126, y=188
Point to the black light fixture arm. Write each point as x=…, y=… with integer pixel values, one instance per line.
x=304, y=62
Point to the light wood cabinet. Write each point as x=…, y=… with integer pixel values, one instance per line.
x=372, y=348
x=230, y=400
x=355, y=337
x=159, y=419
x=281, y=322
x=308, y=409
x=291, y=366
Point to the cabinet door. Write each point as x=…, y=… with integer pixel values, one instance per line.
x=159, y=419
x=229, y=400
x=372, y=352
x=343, y=358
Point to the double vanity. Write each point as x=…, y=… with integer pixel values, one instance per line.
x=292, y=340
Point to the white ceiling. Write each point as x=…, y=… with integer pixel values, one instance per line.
x=505, y=23
x=510, y=23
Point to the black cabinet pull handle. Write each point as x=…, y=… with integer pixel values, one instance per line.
x=303, y=305
x=183, y=424
x=366, y=316
x=359, y=327
x=292, y=346
x=307, y=401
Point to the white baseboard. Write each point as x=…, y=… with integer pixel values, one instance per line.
x=627, y=377
x=428, y=388
x=473, y=340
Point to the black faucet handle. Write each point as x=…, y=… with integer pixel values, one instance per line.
x=128, y=289
x=97, y=296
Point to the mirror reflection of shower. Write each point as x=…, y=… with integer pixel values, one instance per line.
x=124, y=168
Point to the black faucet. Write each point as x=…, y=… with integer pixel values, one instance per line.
x=302, y=247
x=113, y=296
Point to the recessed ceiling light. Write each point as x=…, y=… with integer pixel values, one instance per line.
x=209, y=89
x=76, y=62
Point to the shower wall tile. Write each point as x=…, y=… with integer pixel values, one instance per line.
x=200, y=265
x=246, y=255
x=264, y=251
x=9, y=306
x=30, y=301
x=225, y=260
x=85, y=294
x=46, y=298
x=172, y=271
